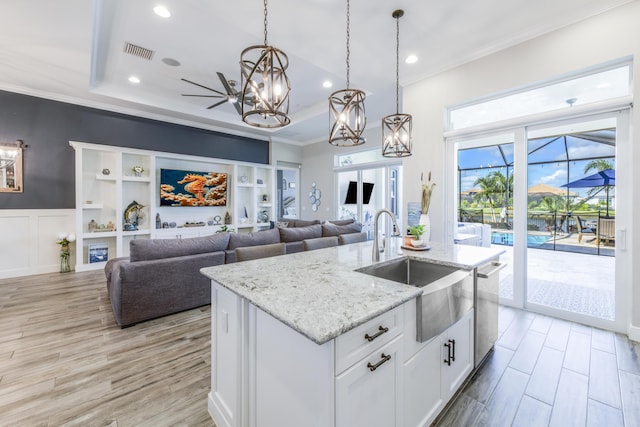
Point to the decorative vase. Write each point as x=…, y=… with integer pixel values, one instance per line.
x=64, y=259
x=424, y=220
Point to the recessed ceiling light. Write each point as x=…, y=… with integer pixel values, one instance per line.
x=327, y=84
x=134, y=79
x=411, y=59
x=162, y=11
x=170, y=61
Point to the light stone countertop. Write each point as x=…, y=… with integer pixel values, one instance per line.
x=318, y=293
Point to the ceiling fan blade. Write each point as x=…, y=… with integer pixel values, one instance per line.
x=237, y=105
x=206, y=96
x=216, y=104
x=202, y=86
x=226, y=85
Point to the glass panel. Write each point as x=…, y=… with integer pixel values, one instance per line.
x=287, y=185
x=360, y=157
x=485, y=196
x=348, y=206
x=11, y=168
x=570, y=267
x=600, y=86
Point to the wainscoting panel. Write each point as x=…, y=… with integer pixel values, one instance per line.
x=28, y=243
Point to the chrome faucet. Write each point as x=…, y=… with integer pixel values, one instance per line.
x=396, y=232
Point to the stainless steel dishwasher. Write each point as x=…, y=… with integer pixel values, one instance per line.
x=487, y=284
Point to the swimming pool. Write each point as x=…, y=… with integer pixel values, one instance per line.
x=533, y=240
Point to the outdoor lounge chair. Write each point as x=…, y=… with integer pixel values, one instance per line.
x=607, y=230
x=582, y=228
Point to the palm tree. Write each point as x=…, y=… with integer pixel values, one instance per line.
x=489, y=188
x=599, y=165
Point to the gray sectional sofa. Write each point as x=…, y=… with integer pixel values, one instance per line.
x=162, y=276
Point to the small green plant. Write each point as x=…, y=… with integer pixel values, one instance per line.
x=416, y=230
x=225, y=229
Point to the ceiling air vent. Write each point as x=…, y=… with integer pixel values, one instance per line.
x=139, y=51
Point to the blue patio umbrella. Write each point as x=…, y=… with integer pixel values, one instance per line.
x=605, y=178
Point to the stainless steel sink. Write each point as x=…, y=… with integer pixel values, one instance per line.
x=447, y=293
x=409, y=271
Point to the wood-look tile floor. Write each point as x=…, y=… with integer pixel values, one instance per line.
x=550, y=372
x=65, y=362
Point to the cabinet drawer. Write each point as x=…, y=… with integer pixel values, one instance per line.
x=362, y=340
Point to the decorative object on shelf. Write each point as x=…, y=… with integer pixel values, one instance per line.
x=64, y=239
x=132, y=216
x=106, y=171
x=216, y=220
x=98, y=252
x=172, y=224
x=427, y=189
x=265, y=197
x=259, y=181
x=245, y=216
x=194, y=224
x=111, y=226
x=244, y=179
x=265, y=85
x=346, y=109
x=396, y=128
x=158, y=221
x=263, y=216
x=92, y=226
x=210, y=222
x=314, y=196
x=227, y=218
x=165, y=225
x=225, y=229
x=137, y=170
x=188, y=188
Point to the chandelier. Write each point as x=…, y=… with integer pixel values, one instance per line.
x=265, y=85
x=396, y=128
x=346, y=110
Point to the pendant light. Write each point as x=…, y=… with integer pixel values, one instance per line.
x=346, y=110
x=265, y=85
x=396, y=128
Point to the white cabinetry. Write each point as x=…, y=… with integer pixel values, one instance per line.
x=255, y=192
x=266, y=374
x=109, y=178
x=435, y=370
x=105, y=186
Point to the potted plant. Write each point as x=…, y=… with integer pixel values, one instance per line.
x=416, y=231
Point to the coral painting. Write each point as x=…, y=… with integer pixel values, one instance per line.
x=186, y=188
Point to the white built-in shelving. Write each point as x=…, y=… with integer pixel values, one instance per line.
x=106, y=184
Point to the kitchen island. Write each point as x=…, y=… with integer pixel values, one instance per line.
x=304, y=339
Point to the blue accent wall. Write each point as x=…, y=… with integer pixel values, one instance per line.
x=46, y=127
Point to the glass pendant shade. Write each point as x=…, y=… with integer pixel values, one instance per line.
x=265, y=87
x=346, y=109
x=347, y=118
x=396, y=135
x=396, y=128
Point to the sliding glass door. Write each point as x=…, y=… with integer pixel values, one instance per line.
x=549, y=197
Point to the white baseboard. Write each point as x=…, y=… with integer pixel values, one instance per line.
x=634, y=333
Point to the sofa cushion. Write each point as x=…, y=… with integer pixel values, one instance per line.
x=341, y=221
x=302, y=222
x=336, y=230
x=297, y=234
x=148, y=249
x=252, y=239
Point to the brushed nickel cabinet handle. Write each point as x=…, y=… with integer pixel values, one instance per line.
x=373, y=367
x=381, y=331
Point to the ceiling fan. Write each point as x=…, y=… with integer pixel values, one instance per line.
x=231, y=96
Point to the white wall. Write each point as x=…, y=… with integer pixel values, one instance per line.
x=606, y=37
x=29, y=240
x=317, y=165
x=597, y=40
